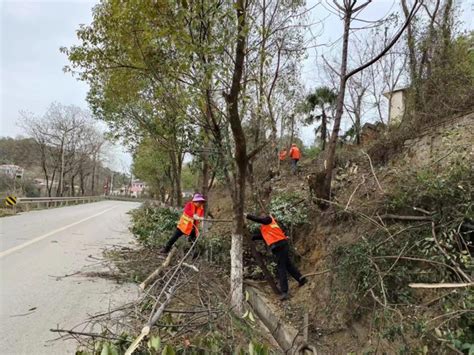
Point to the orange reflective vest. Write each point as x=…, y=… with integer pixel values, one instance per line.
x=295, y=153
x=186, y=222
x=272, y=232
x=282, y=155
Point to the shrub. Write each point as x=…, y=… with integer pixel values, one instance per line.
x=289, y=209
x=153, y=226
x=379, y=267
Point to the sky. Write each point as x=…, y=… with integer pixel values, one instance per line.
x=31, y=75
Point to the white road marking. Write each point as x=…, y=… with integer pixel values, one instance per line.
x=32, y=241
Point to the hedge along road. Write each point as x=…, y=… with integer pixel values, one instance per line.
x=38, y=247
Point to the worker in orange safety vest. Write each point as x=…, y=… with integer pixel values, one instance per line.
x=188, y=223
x=295, y=155
x=282, y=155
x=275, y=238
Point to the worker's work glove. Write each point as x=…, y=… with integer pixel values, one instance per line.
x=197, y=217
x=245, y=214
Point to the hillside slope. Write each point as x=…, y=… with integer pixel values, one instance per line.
x=391, y=222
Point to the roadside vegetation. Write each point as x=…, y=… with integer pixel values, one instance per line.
x=380, y=217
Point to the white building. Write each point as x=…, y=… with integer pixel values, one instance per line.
x=12, y=170
x=396, y=105
x=137, y=188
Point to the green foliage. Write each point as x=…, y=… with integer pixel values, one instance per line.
x=20, y=151
x=312, y=152
x=448, y=89
x=215, y=248
x=153, y=226
x=258, y=349
x=289, y=209
x=152, y=164
x=379, y=267
x=447, y=193
x=188, y=178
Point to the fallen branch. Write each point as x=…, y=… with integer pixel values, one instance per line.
x=191, y=266
x=92, y=335
x=152, y=321
x=216, y=220
x=441, y=285
x=157, y=314
x=353, y=193
x=373, y=172
x=456, y=266
x=406, y=218
x=157, y=272
x=317, y=273
x=423, y=211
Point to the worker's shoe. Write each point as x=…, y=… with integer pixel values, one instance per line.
x=164, y=251
x=302, y=281
x=284, y=296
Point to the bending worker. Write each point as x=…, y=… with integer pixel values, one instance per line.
x=188, y=223
x=295, y=155
x=277, y=241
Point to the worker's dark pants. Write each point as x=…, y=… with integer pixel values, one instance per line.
x=284, y=265
x=175, y=237
x=294, y=165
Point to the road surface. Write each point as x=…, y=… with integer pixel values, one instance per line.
x=35, y=248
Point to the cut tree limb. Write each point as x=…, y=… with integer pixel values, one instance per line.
x=152, y=277
x=216, y=220
x=441, y=249
x=317, y=273
x=373, y=172
x=442, y=285
x=154, y=318
x=406, y=218
x=158, y=271
x=156, y=313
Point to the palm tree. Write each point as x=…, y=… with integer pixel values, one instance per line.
x=322, y=99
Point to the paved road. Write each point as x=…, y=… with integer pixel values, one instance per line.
x=35, y=248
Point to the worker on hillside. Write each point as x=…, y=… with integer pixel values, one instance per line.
x=275, y=238
x=188, y=223
x=295, y=155
x=282, y=155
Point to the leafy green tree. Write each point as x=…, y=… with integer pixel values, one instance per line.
x=134, y=56
x=182, y=74
x=152, y=165
x=323, y=100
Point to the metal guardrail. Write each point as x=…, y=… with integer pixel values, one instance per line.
x=57, y=199
x=29, y=203
x=40, y=202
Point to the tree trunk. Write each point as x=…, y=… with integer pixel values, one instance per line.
x=81, y=179
x=93, y=174
x=176, y=173
x=73, y=190
x=331, y=151
x=292, y=132
x=61, y=172
x=205, y=183
x=358, y=114
x=324, y=123
x=412, y=56
x=238, y=201
x=446, y=28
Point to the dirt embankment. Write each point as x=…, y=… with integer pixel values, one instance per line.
x=338, y=322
